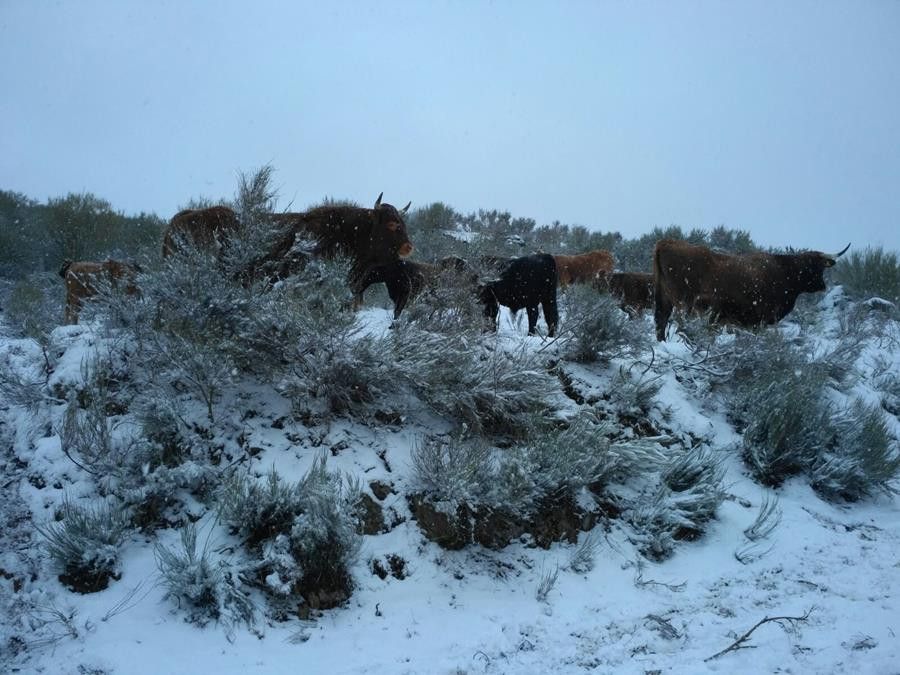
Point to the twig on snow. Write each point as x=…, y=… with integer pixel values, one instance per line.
x=739, y=643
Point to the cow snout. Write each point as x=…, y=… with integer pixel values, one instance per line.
x=406, y=249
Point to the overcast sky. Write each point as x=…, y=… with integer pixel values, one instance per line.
x=780, y=118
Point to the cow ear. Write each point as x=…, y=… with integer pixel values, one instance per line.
x=829, y=261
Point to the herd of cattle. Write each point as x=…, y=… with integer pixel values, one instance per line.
x=747, y=290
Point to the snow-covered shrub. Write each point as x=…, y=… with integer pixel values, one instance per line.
x=35, y=306
x=18, y=386
x=887, y=383
x=450, y=304
x=207, y=589
x=473, y=381
x=259, y=511
x=633, y=396
x=86, y=438
x=864, y=460
x=84, y=543
x=754, y=361
x=305, y=532
x=788, y=426
x=688, y=496
x=767, y=520
x=873, y=272
x=454, y=471
x=597, y=330
x=465, y=491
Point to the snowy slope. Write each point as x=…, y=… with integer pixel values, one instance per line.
x=474, y=610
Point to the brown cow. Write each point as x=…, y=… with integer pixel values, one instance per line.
x=84, y=280
x=747, y=290
x=584, y=268
x=634, y=290
x=369, y=237
x=204, y=228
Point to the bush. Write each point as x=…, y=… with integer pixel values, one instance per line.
x=864, y=461
x=35, y=306
x=597, y=330
x=688, y=496
x=789, y=426
x=470, y=379
x=306, y=533
x=85, y=543
x=873, y=272
x=208, y=589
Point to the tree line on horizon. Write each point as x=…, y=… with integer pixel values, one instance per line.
x=84, y=226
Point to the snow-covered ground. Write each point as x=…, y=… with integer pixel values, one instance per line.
x=834, y=568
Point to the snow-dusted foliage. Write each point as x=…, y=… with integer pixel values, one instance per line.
x=596, y=330
x=864, y=460
x=304, y=534
x=872, y=273
x=450, y=303
x=789, y=396
x=35, y=305
x=454, y=471
x=788, y=423
x=205, y=588
x=688, y=494
x=633, y=394
x=469, y=378
x=85, y=542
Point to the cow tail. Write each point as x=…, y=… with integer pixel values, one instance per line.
x=65, y=268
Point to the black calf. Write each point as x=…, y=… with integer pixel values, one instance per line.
x=524, y=282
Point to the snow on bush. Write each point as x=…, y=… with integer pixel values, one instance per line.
x=597, y=330
x=688, y=494
x=873, y=272
x=472, y=380
x=304, y=534
x=84, y=543
x=205, y=588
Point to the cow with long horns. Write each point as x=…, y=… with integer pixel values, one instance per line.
x=746, y=290
x=368, y=237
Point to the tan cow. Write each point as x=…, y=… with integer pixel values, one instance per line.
x=585, y=268
x=84, y=280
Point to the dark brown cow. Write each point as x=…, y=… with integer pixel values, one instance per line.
x=369, y=237
x=747, y=290
x=84, y=279
x=204, y=228
x=405, y=279
x=634, y=290
x=584, y=268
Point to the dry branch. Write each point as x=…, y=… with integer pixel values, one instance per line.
x=739, y=643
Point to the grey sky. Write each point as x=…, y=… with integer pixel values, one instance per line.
x=782, y=118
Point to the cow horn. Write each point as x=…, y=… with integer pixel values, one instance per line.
x=838, y=255
x=405, y=208
x=378, y=201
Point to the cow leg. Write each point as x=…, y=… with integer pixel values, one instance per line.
x=662, y=312
x=400, y=303
x=551, y=315
x=491, y=310
x=532, y=318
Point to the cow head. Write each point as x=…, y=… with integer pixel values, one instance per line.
x=811, y=269
x=389, y=238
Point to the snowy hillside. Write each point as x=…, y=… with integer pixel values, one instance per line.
x=592, y=507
